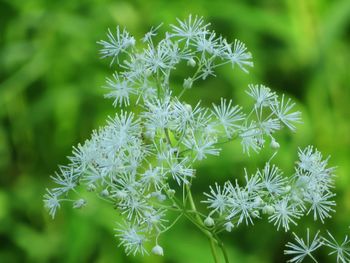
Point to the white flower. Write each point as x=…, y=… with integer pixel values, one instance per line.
x=65, y=178
x=207, y=43
x=117, y=43
x=341, y=250
x=301, y=248
x=217, y=199
x=179, y=169
x=320, y=204
x=79, y=203
x=201, y=146
x=272, y=179
x=51, y=202
x=238, y=55
x=240, y=204
x=152, y=177
x=154, y=219
x=310, y=160
x=120, y=90
x=158, y=114
x=282, y=108
x=189, y=29
x=250, y=138
x=274, y=144
x=228, y=116
x=262, y=95
x=132, y=238
x=285, y=213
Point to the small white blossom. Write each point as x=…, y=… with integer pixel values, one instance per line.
x=79, y=203
x=239, y=55
x=262, y=95
x=52, y=203
x=132, y=238
x=341, y=250
x=301, y=248
x=229, y=116
x=285, y=213
x=190, y=28
x=120, y=90
x=282, y=109
x=116, y=44
x=217, y=199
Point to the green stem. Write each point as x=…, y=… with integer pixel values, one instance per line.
x=222, y=247
x=199, y=220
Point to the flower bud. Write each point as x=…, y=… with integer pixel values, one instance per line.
x=209, y=222
x=191, y=62
x=255, y=214
x=158, y=250
x=258, y=201
x=91, y=187
x=79, y=203
x=171, y=192
x=228, y=226
x=104, y=193
x=188, y=83
x=268, y=209
x=274, y=145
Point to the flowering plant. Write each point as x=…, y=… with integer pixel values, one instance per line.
x=142, y=162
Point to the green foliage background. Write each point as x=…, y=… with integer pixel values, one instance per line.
x=51, y=99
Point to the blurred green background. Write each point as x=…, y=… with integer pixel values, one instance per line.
x=51, y=99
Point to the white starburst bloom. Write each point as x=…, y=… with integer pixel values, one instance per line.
x=66, y=179
x=262, y=95
x=132, y=238
x=158, y=114
x=189, y=29
x=119, y=90
x=241, y=204
x=207, y=43
x=250, y=138
x=116, y=44
x=272, y=179
x=217, y=199
x=285, y=214
x=238, y=55
x=300, y=249
x=341, y=250
x=321, y=206
x=179, y=169
x=51, y=202
x=201, y=146
x=229, y=116
x=152, y=177
x=282, y=109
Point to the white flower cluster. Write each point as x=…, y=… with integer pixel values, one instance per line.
x=283, y=199
x=142, y=161
x=302, y=249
